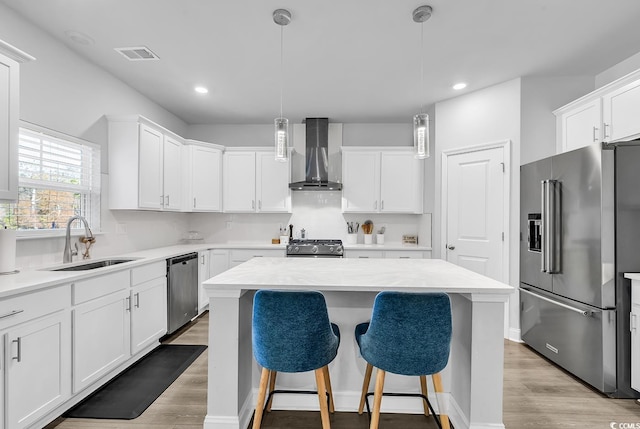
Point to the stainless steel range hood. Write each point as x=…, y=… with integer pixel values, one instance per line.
x=317, y=158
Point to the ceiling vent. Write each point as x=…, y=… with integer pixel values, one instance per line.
x=139, y=53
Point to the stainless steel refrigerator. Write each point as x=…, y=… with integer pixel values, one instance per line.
x=580, y=232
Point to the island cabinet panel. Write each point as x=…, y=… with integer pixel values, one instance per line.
x=254, y=182
x=145, y=165
x=101, y=337
x=382, y=181
x=238, y=256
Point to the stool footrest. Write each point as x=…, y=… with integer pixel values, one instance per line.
x=411, y=395
x=303, y=392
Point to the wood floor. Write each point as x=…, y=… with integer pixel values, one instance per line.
x=536, y=395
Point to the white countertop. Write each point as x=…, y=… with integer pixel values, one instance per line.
x=632, y=276
x=345, y=274
x=37, y=278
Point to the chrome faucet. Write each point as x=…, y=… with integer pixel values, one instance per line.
x=69, y=253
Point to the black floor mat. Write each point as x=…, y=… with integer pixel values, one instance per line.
x=130, y=393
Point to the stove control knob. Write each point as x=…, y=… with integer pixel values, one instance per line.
x=314, y=249
x=338, y=248
x=296, y=249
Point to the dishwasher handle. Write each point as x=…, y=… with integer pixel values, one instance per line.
x=182, y=259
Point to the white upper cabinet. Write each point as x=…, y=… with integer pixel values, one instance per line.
x=582, y=125
x=10, y=58
x=381, y=180
x=145, y=165
x=202, y=177
x=254, y=182
x=620, y=113
x=608, y=114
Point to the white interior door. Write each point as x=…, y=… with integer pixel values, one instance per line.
x=475, y=211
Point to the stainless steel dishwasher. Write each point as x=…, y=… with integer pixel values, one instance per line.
x=182, y=300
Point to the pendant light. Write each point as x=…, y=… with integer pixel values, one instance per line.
x=421, y=120
x=281, y=17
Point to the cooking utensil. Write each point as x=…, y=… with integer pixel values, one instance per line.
x=367, y=227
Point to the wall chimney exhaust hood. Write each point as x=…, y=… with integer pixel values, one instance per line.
x=316, y=158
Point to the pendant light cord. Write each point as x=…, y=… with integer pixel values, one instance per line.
x=421, y=67
x=281, y=66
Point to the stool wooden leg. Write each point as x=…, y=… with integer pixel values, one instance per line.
x=327, y=382
x=262, y=392
x=322, y=397
x=423, y=388
x=437, y=386
x=377, y=399
x=272, y=387
x=365, y=387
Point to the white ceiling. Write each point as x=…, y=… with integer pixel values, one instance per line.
x=349, y=60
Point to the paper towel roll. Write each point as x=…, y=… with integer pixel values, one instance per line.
x=7, y=250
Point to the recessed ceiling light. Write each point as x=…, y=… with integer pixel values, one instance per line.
x=459, y=86
x=200, y=89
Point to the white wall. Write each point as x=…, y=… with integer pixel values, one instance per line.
x=540, y=96
x=618, y=70
x=66, y=93
x=488, y=115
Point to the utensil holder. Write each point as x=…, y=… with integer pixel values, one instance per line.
x=284, y=239
x=352, y=238
x=368, y=238
x=379, y=238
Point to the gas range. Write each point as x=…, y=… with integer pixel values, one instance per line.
x=315, y=248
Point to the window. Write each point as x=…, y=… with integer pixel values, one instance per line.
x=59, y=177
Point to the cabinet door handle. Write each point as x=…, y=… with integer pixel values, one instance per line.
x=632, y=322
x=162, y=200
x=382, y=205
x=606, y=135
x=137, y=296
x=253, y=204
x=202, y=259
x=595, y=134
x=13, y=313
x=18, y=356
x=128, y=303
x=194, y=202
x=167, y=201
x=451, y=247
x=259, y=204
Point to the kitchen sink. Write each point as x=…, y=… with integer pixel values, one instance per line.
x=92, y=265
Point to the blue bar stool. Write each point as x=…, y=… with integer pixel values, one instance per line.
x=409, y=334
x=292, y=333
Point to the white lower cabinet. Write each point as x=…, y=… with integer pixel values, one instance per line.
x=148, y=313
x=388, y=254
x=238, y=256
x=204, y=262
x=38, y=368
x=101, y=337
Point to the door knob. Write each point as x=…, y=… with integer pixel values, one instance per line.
x=451, y=247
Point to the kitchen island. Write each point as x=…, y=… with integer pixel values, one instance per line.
x=472, y=380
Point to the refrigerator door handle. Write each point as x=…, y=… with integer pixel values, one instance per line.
x=585, y=313
x=550, y=226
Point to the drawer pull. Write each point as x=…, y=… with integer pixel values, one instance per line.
x=404, y=257
x=18, y=356
x=13, y=313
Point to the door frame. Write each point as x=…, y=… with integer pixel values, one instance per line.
x=505, y=145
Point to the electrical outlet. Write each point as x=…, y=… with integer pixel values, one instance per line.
x=229, y=224
x=121, y=228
